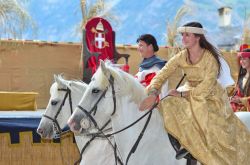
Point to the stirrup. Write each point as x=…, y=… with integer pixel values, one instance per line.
x=181, y=153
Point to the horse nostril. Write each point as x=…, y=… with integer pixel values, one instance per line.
x=70, y=121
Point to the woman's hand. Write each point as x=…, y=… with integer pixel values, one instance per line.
x=174, y=92
x=235, y=99
x=148, y=102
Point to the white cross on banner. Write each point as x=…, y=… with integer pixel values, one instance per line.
x=100, y=40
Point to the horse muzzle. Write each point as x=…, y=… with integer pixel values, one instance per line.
x=74, y=126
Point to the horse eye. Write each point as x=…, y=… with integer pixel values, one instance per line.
x=95, y=90
x=54, y=102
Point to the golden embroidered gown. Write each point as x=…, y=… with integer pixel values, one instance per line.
x=204, y=122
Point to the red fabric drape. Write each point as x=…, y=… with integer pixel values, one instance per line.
x=99, y=38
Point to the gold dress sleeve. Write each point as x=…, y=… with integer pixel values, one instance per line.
x=245, y=102
x=164, y=73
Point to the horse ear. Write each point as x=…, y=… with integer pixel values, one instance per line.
x=104, y=68
x=56, y=78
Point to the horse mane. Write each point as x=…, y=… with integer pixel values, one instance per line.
x=78, y=84
x=127, y=83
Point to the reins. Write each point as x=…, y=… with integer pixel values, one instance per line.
x=101, y=134
x=140, y=118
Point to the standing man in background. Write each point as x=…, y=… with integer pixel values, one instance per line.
x=151, y=64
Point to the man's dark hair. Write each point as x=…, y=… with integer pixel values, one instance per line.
x=149, y=39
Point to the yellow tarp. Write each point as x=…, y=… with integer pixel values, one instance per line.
x=18, y=100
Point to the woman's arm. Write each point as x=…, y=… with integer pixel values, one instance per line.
x=153, y=89
x=164, y=73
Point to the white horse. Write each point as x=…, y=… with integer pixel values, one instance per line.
x=244, y=117
x=120, y=102
x=99, y=151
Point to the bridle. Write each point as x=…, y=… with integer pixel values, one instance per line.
x=58, y=130
x=94, y=108
x=89, y=115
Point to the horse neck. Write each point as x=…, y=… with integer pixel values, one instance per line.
x=99, y=152
x=128, y=112
x=128, y=106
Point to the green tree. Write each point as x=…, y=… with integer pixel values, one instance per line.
x=14, y=19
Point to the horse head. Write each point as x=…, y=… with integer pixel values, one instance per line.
x=63, y=95
x=100, y=100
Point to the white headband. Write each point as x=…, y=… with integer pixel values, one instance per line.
x=188, y=29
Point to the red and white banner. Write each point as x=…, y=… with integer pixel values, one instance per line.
x=99, y=38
